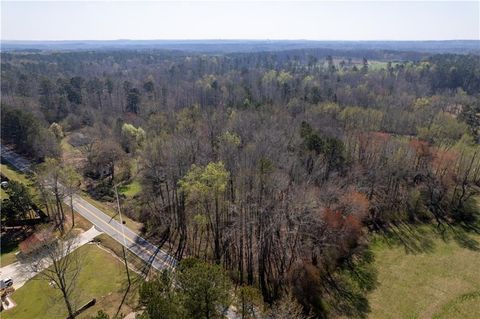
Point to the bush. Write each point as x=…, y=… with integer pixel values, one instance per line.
x=102, y=191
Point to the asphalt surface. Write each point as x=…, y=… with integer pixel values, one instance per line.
x=21, y=272
x=14, y=159
x=151, y=254
x=148, y=252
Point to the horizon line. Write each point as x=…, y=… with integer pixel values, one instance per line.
x=241, y=39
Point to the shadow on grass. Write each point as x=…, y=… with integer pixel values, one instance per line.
x=132, y=283
x=347, y=289
x=420, y=238
x=461, y=234
x=351, y=304
x=11, y=238
x=414, y=239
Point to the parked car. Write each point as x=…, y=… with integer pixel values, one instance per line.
x=5, y=283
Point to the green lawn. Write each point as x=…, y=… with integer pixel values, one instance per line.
x=423, y=276
x=131, y=189
x=113, y=246
x=20, y=177
x=9, y=257
x=12, y=174
x=10, y=239
x=102, y=277
x=3, y=194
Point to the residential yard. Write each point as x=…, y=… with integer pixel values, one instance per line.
x=9, y=242
x=102, y=277
x=134, y=261
x=8, y=257
x=3, y=194
x=421, y=275
x=11, y=238
x=12, y=174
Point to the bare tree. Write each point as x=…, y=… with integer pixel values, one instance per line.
x=58, y=263
x=287, y=307
x=71, y=181
x=48, y=178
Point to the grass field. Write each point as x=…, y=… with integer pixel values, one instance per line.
x=133, y=188
x=10, y=248
x=7, y=256
x=12, y=174
x=422, y=275
x=102, y=277
x=130, y=190
x=133, y=261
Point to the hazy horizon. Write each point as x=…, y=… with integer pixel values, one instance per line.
x=233, y=40
x=229, y=20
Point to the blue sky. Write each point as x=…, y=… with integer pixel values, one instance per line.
x=320, y=20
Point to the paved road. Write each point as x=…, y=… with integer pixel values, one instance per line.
x=14, y=159
x=21, y=273
x=136, y=244
x=148, y=252
x=153, y=256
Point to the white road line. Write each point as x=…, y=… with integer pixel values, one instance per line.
x=156, y=257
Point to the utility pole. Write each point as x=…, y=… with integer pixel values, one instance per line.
x=124, y=252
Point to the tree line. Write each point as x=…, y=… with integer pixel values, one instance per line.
x=273, y=166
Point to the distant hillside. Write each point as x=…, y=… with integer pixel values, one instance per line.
x=453, y=46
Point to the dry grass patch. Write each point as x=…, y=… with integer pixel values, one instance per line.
x=440, y=279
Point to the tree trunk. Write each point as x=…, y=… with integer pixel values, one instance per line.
x=71, y=206
x=71, y=313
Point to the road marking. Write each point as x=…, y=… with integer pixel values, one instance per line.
x=89, y=211
x=150, y=254
x=24, y=166
x=118, y=232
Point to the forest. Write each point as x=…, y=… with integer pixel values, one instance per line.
x=274, y=168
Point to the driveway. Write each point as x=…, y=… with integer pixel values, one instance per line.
x=149, y=253
x=21, y=272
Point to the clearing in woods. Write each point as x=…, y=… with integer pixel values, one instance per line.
x=422, y=274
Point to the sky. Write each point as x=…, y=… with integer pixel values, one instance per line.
x=314, y=20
